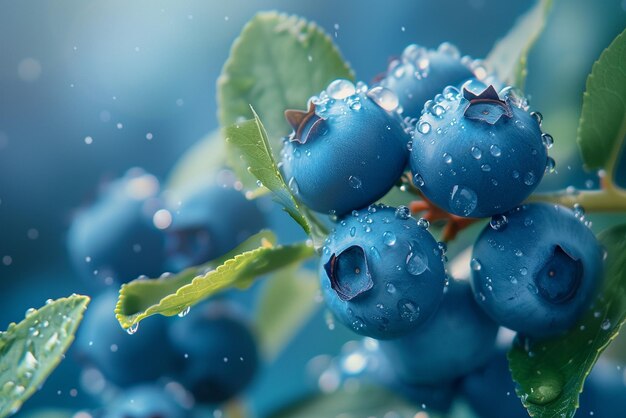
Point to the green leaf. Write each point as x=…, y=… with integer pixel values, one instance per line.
x=509, y=56
x=277, y=63
x=279, y=317
x=173, y=294
x=31, y=350
x=250, y=138
x=602, y=124
x=551, y=373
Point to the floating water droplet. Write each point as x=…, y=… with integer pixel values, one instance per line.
x=340, y=89
x=463, y=200
x=389, y=238
x=423, y=127
x=548, y=140
x=384, y=98
x=476, y=153
x=498, y=222
x=355, y=182
x=184, y=312
x=495, y=150
x=403, y=212
x=475, y=264
x=408, y=310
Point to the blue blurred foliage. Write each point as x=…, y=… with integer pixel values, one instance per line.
x=122, y=72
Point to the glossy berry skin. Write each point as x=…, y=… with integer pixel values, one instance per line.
x=537, y=272
x=115, y=239
x=478, y=154
x=419, y=74
x=209, y=222
x=220, y=349
x=381, y=274
x=347, y=151
x=124, y=359
x=145, y=401
x=457, y=339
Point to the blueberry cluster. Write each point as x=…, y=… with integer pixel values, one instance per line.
x=472, y=149
x=136, y=229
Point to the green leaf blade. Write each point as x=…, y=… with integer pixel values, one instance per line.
x=31, y=350
x=171, y=295
x=509, y=56
x=551, y=373
x=602, y=125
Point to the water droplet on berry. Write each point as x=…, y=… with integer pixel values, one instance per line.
x=548, y=140
x=384, y=98
x=423, y=127
x=389, y=238
x=475, y=264
x=529, y=178
x=355, y=182
x=495, y=150
x=418, y=180
x=340, y=89
x=416, y=261
x=476, y=153
x=498, y=222
x=423, y=223
x=550, y=165
x=485, y=167
x=447, y=158
x=537, y=116
x=403, y=212
x=390, y=288
x=463, y=200
x=408, y=310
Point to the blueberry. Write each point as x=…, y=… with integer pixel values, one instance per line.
x=207, y=223
x=124, y=359
x=381, y=273
x=221, y=356
x=347, y=151
x=478, y=154
x=116, y=239
x=490, y=390
x=419, y=74
x=457, y=339
x=536, y=270
x=145, y=401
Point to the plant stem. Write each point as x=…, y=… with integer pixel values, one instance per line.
x=608, y=199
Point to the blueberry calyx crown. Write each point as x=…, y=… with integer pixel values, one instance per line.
x=486, y=106
x=560, y=277
x=349, y=273
x=303, y=123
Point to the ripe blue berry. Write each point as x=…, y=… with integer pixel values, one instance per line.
x=457, y=339
x=537, y=270
x=124, y=359
x=419, y=74
x=146, y=401
x=209, y=222
x=477, y=155
x=220, y=351
x=381, y=272
x=116, y=239
x=347, y=151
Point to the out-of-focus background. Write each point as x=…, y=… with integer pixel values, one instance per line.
x=91, y=89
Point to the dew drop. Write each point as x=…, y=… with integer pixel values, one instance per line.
x=353, y=231
x=184, y=312
x=133, y=328
x=403, y=212
x=408, y=310
x=418, y=180
x=447, y=158
x=475, y=264
x=389, y=238
x=384, y=98
x=423, y=223
x=550, y=165
x=529, y=178
x=476, y=153
x=495, y=150
x=390, y=288
x=340, y=89
x=423, y=127
x=548, y=140
x=463, y=200
x=537, y=116
x=498, y=222
x=416, y=261
x=485, y=167
x=355, y=182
